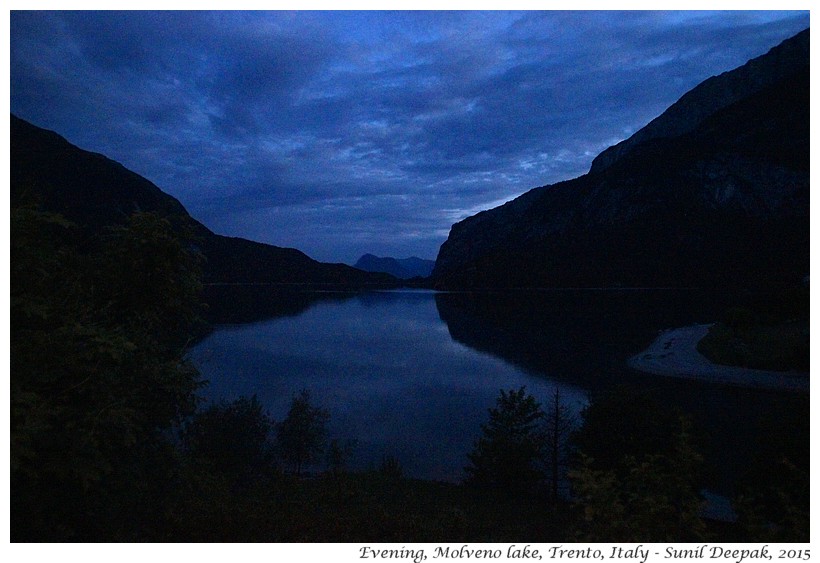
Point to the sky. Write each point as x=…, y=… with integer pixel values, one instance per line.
x=342, y=133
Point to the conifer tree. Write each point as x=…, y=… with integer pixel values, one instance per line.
x=508, y=455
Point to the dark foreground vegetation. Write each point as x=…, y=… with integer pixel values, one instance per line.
x=109, y=442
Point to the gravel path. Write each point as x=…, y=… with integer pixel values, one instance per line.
x=674, y=354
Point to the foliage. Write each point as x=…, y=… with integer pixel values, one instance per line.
x=509, y=453
x=390, y=468
x=231, y=438
x=771, y=332
x=780, y=512
x=337, y=456
x=773, y=501
x=356, y=507
x=93, y=389
x=301, y=435
x=150, y=277
x=624, y=423
x=779, y=347
x=643, y=485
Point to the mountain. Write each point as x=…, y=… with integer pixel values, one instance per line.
x=714, y=94
x=94, y=191
x=402, y=268
x=714, y=192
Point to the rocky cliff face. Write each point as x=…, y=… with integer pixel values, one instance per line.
x=714, y=94
x=714, y=191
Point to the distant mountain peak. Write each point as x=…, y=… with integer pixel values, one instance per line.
x=402, y=268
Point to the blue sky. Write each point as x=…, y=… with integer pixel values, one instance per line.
x=342, y=133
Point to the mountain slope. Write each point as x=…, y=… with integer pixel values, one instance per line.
x=714, y=94
x=94, y=192
x=725, y=202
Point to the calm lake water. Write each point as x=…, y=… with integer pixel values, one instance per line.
x=411, y=374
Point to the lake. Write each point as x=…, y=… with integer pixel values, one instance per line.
x=411, y=374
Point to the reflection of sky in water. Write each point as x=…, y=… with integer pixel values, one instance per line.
x=385, y=367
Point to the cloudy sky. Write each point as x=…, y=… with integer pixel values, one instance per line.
x=341, y=133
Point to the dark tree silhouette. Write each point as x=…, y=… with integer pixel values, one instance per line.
x=232, y=438
x=638, y=473
x=301, y=436
x=508, y=455
x=98, y=374
x=337, y=456
x=558, y=426
x=151, y=276
x=624, y=422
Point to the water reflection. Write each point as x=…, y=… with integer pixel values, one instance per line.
x=584, y=338
x=412, y=374
x=385, y=366
x=248, y=303
x=581, y=336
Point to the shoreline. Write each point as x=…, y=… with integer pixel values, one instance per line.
x=674, y=353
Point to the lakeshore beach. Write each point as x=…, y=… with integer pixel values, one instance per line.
x=674, y=353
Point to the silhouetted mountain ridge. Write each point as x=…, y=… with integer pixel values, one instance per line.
x=714, y=94
x=95, y=191
x=402, y=268
x=724, y=203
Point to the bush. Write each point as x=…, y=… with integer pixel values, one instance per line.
x=232, y=438
x=638, y=473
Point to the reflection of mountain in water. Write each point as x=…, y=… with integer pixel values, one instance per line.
x=248, y=303
x=583, y=336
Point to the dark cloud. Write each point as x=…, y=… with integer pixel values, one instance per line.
x=342, y=133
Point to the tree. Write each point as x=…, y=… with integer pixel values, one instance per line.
x=301, y=436
x=623, y=422
x=637, y=476
x=559, y=424
x=150, y=276
x=338, y=455
x=779, y=511
x=509, y=453
x=94, y=392
x=233, y=438
x=773, y=502
x=390, y=468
